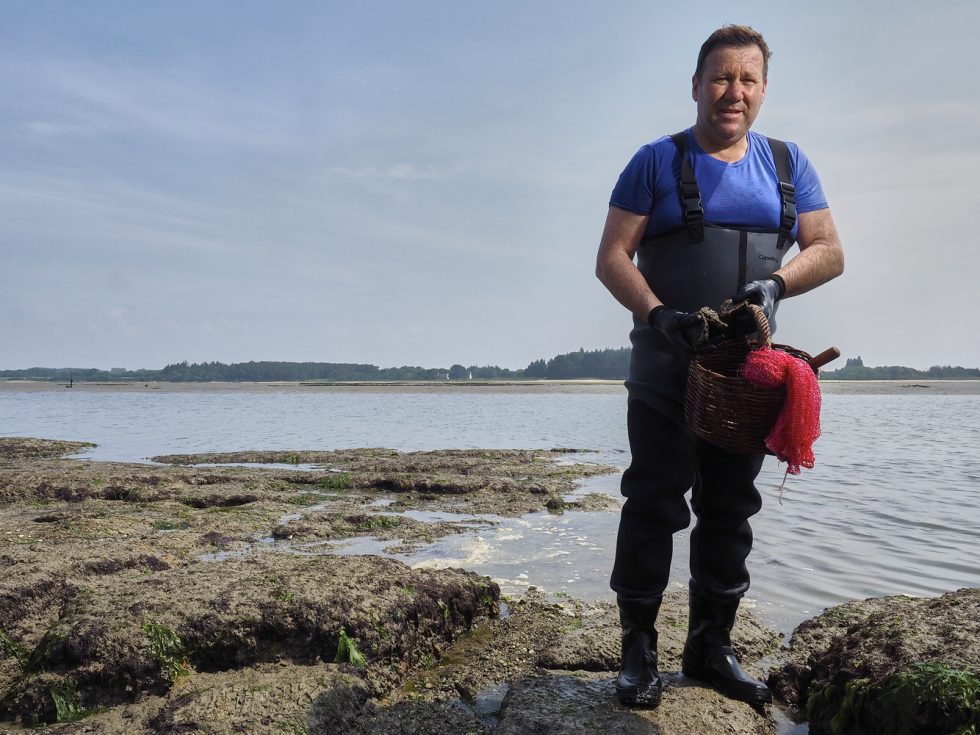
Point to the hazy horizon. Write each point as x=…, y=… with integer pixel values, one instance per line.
x=835, y=365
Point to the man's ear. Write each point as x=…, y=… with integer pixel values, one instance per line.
x=694, y=87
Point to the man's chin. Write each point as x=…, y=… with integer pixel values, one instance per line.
x=730, y=132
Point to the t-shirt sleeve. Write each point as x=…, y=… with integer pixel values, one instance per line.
x=634, y=190
x=809, y=192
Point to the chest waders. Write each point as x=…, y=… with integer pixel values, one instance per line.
x=702, y=264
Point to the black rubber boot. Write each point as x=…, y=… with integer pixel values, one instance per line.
x=639, y=684
x=708, y=653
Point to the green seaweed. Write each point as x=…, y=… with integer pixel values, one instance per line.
x=335, y=481
x=908, y=702
x=445, y=610
x=168, y=525
x=168, y=650
x=9, y=647
x=64, y=693
x=67, y=705
x=486, y=595
x=302, y=499
x=347, y=651
x=379, y=521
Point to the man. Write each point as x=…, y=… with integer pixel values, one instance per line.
x=709, y=213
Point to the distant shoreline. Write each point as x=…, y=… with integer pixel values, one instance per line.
x=828, y=387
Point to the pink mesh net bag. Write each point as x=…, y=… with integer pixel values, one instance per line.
x=798, y=424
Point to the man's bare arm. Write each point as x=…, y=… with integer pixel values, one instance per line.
x=821, y=257
x=614, y=263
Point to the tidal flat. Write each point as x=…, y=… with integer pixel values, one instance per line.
x=211, y=593
x=147, y=598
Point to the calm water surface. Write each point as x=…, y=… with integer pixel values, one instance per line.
x=891, y=508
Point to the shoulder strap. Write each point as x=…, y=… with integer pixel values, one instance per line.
x=690, y=193
x=787, y=191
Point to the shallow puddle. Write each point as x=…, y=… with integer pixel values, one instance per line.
x=259, y=466
x=785, y=722
x=486, y=703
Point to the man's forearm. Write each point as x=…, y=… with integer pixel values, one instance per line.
x=626, y=284
x=821, y=257
x=812, y=267
x=614, y=263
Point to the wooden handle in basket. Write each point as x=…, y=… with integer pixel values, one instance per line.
x=828, y=355
x=761, y=323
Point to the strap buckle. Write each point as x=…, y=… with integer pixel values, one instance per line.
x=694, y=218
x=787, y=219
x=693, y=210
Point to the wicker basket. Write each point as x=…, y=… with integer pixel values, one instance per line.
x=724, y=409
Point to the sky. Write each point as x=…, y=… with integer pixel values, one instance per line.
x=425, y=183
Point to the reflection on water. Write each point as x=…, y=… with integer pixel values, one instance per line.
x=891, y=507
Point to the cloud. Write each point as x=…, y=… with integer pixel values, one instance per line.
x=395, y=171
x=55, y=129
x=109, y=214
x=72, y=97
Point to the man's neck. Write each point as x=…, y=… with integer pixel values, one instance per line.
x=727, y=151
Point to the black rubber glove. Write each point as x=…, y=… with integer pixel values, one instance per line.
x=682, y=328
x=764, y=293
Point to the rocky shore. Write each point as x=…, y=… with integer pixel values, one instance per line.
x=148, y=598
x=888, y=665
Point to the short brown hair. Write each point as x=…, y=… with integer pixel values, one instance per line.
x=733, y=35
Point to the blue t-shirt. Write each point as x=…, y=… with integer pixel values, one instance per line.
x=743, y=195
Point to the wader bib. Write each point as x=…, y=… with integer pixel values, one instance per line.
x=701, y=264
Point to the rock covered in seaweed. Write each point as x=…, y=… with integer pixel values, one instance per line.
x=106, y=641
x=13, y=448
x=899, y=665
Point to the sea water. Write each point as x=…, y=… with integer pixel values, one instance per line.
x=892, y=506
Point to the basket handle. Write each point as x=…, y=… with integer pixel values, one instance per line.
x=828, y=355
x=761, y=323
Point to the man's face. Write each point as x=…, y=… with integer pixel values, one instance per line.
x=729, y=93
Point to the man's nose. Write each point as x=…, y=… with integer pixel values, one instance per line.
x=735, y=92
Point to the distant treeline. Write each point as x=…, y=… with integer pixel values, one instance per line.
x=183, y=372
x=593, y=364
x=855, y=369
x=609, y=364
x=605, y=364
